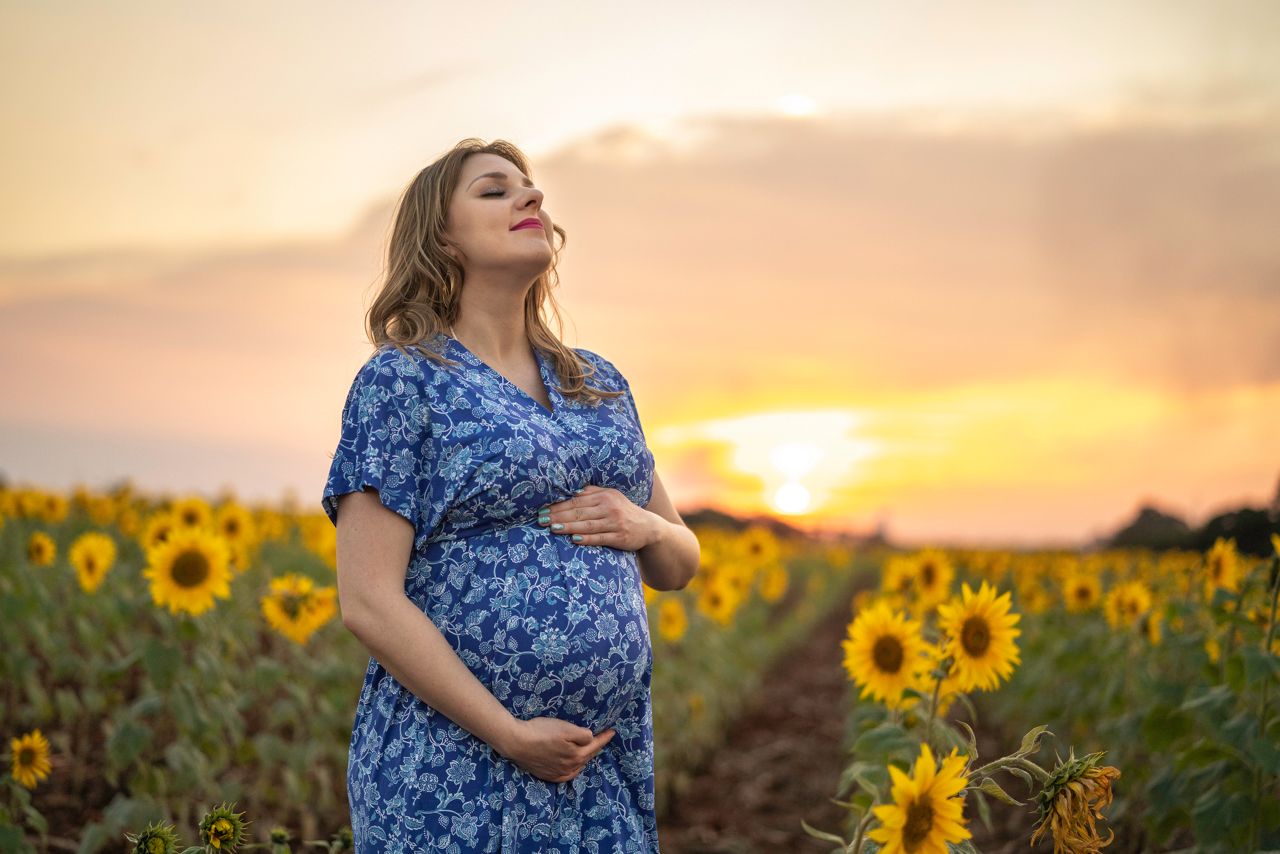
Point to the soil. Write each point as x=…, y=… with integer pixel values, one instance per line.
x=780, y=763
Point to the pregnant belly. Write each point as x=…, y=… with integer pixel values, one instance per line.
x=552, y=628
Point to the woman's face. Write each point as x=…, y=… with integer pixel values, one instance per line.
x=492, y=197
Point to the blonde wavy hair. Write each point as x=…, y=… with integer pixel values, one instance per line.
x=422, y=284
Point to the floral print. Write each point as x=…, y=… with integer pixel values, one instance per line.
x=551, y=627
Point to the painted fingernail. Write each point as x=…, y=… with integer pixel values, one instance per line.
x=544, y=520
x=577, y=538
x=579, y=490
x=558, y=526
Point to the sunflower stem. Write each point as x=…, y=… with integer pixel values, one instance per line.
x=1018, y=761
x=855, y=847
x=933, y=710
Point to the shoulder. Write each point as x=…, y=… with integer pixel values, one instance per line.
x=606, y=371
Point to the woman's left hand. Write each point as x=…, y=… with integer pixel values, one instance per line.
x=601, y=516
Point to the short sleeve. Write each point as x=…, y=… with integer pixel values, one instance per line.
x=614, y=377
x=385, y=437
x=631, y=402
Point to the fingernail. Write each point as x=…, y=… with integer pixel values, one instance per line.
x=558, y=526
x=579, y=490
x=577, y=538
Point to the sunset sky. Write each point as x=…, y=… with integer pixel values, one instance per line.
x=982, y=272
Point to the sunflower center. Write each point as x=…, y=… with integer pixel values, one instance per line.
x=919, y=823
x=975, y=636
x=291, y=605
x=26, y=757
x=1082, y=593
x=1215, y=569
x=887, y=654
x=190, y=569
x=927, y=573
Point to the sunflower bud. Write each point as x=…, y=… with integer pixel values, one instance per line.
x=156, y=838
x=221, y=830
x=1072, y=801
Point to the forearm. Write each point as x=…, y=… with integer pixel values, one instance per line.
x=408, y=644
x=671, y=559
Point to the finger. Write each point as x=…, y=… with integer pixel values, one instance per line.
x=582, y=735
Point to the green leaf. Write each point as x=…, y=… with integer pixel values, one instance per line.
x=992, y=788
x=822, y=834
x=1031, y=741
x=162, y=662
x=883, y=741
x=127, y=743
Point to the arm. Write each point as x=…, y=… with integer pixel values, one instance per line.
x=374, y=546
x=671, y=557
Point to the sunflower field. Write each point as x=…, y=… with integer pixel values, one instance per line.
x=177, y=669
x=1162, y=671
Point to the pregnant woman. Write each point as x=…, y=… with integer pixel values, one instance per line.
x=496, y=508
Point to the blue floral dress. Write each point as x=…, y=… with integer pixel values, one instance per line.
x=551, y=627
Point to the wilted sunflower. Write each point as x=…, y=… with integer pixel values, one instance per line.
x=188, y=570
x=1081, y=591
x=925, y=814
x=672, y=620
x=41, y=550
x=980, y=636
x=883, y=653
x=1127, y=602
x=30, y=758
x=1071, y=802
x=773, y=582
x=1222, y=567
x=92, y=554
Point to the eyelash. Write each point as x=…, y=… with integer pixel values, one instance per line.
x=491, y=192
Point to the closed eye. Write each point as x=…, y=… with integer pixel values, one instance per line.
x=491, y=192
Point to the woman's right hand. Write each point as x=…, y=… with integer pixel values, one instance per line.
x=552, y=749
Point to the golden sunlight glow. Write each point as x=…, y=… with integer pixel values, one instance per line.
x=791, y=498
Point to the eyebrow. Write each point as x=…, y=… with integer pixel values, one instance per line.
x=502, y=175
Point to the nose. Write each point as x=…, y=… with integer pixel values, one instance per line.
x=535, y=195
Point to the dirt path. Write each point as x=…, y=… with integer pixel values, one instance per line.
x=781, y=762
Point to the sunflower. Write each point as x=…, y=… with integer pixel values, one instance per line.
x=296, y=608
x=758, y=545
x=925, y=814
x=898, y=575
x=933, y=575
x=30, y=758
x=1126, y=602
x=92, y=554
x=1081, y=591
x=1071, y=802
x=649, y=593
x=672, y=620
x=773, y=582
x=718, y=601
x=192, y=512
x=979, y=634
x=1275, y=544
x=41, y=550
x=883, y=652
x=188, y=570
x=1222, y=566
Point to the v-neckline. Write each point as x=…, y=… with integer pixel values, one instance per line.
x=544, y=371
